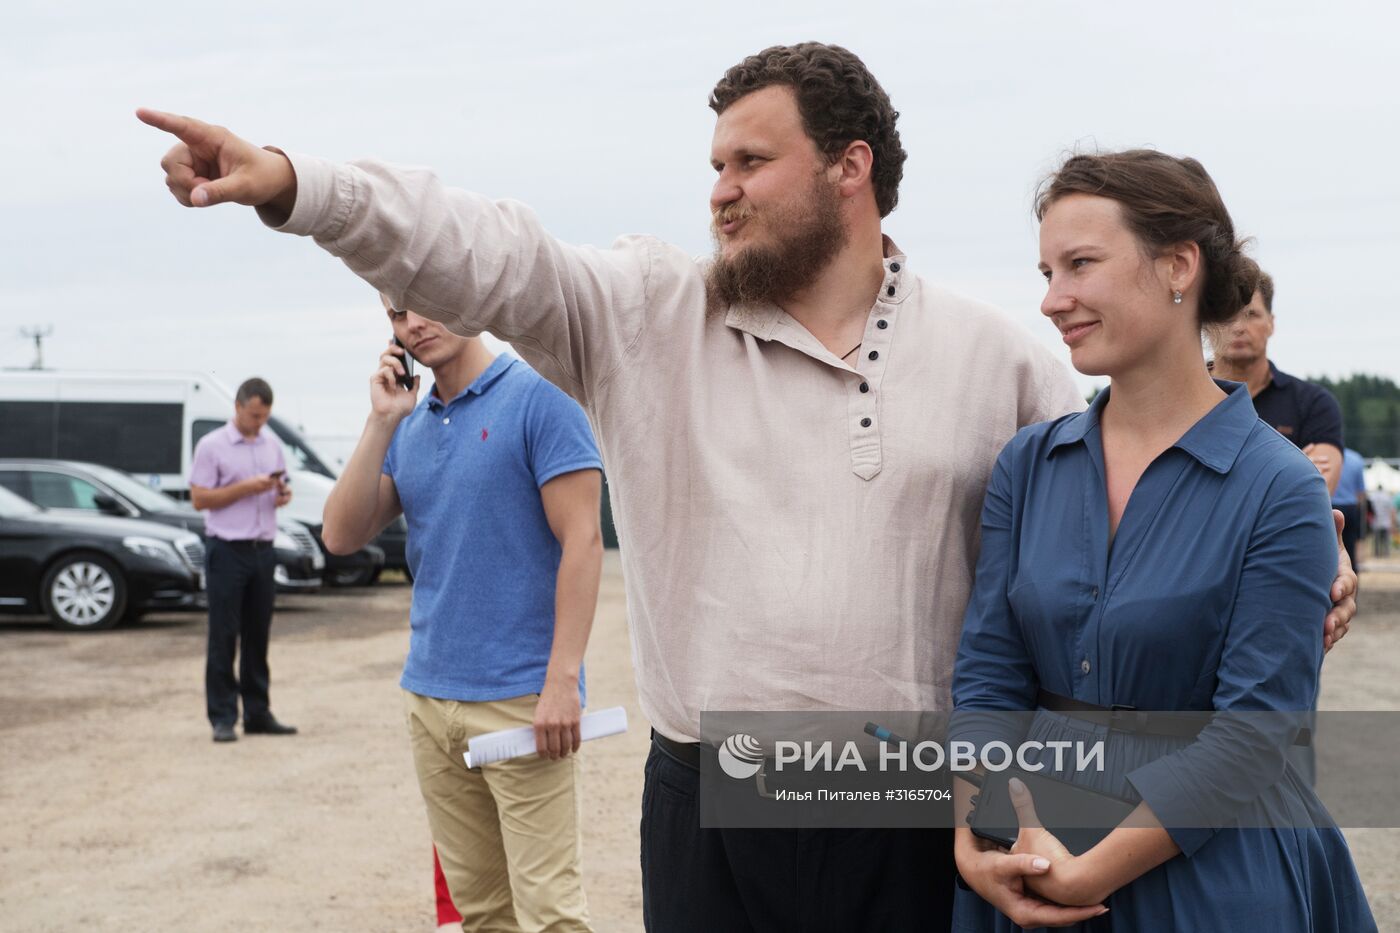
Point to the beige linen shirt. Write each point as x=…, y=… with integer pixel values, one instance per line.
x=797, y=533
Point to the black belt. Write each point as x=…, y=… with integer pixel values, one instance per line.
x=254, y=543
x=1121, y=718
x=686, y=753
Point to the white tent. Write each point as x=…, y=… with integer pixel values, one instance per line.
x=1381, y=474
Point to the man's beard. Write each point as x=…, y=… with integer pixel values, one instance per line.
x=804, y=238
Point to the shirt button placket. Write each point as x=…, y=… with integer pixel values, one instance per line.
x=865, y=433
x=873, y=354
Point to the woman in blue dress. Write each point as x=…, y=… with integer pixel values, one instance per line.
x=1163, y=550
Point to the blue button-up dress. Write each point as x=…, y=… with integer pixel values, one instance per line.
x=1210, y=596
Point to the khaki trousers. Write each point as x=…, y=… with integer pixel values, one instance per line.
x=507, y=834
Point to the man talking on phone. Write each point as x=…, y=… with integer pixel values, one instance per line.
x=497, y=474
x=238, y=479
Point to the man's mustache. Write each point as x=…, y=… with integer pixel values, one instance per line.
x=726, y=215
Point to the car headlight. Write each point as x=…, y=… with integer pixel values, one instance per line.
x=154, y=548
x=284, y=542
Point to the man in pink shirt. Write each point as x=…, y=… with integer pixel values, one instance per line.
x=239, y=479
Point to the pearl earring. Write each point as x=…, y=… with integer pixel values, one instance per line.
x=1176, y=298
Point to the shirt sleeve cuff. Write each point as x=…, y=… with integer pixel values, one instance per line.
x=325, y=195
x=574, y=467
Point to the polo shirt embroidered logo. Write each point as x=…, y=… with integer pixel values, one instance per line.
x=483, y=434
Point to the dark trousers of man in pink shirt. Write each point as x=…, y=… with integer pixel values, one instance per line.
x=241, y=592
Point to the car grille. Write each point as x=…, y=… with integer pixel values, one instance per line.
x=305, y=543
x=193, y=552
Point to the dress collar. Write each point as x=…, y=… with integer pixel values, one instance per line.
x=1215, y=441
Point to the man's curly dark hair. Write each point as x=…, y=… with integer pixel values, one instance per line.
x=839, y=100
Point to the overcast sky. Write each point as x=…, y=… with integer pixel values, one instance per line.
x=595, y=114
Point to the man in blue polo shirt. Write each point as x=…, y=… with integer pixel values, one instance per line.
x=1304, y=412
x=497, y=474
x=1349, y=498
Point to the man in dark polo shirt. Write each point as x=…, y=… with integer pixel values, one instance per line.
x=1305, y=413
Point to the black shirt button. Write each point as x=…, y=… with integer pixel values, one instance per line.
x=882, y=324
x=894, y=267
x=874, y=354
x=865, y=387
x=890, y=291
x=865, y=422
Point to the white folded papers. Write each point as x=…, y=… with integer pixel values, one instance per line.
x=513, y=743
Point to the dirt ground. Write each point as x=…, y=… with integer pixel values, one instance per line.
x=117, y=812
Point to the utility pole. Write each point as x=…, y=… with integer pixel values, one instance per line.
x=37, y=334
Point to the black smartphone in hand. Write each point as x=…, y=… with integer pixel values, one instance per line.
x=1078, y=816
x=405, y=380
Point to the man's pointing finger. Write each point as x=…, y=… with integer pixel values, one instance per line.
x=189, y=129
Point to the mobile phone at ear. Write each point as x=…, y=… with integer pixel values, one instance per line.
x=406, y=380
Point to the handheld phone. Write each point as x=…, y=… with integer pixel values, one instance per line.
x=1078, y=816
x=406, y=380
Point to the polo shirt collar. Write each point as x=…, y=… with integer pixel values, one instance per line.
x=1277, y=378
x=1215, y=441
x=479, y=385
x=236, y=437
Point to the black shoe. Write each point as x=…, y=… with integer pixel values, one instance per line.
x=267, y=725
x=225, y=733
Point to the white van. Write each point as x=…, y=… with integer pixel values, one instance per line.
x=145, y=423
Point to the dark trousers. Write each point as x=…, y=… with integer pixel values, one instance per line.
x=1351, y=531
x=777, y=880
x=240, y=609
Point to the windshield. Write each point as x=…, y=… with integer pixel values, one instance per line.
x=12, y=505
x=146, y=498
x=303, y=457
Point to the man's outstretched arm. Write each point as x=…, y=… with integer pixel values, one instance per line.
x=474, y=264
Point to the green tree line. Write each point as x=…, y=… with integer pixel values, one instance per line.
x=1370, y=413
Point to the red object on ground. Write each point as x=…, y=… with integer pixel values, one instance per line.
x=447, y=913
